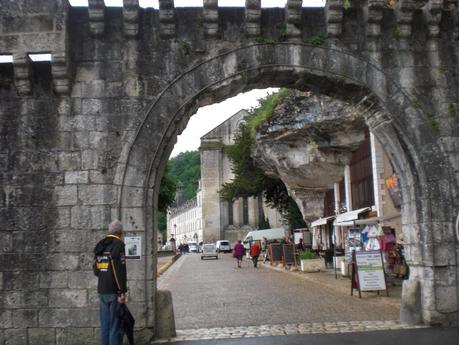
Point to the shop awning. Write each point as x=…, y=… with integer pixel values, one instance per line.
x=350, y=216
x=372, y=220
x=322, y=221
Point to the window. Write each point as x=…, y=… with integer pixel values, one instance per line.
x=245, y=210
x=230, y=213
x=362, y=176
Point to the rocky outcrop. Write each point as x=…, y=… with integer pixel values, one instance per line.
x=307, y=143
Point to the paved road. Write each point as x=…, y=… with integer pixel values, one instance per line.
x=214, y=293
x=426, y=336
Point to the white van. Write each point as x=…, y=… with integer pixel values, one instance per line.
x=270, y=234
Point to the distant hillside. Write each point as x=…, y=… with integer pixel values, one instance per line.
x=186, y=167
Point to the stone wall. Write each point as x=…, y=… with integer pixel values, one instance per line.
x=85, y=138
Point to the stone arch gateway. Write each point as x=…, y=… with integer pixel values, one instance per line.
x=95, y=147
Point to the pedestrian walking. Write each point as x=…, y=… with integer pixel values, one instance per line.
x=255, y=253
x=265, y=250
x=238, y=252
x=110, y=268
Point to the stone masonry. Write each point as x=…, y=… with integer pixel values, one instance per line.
x=85, y=138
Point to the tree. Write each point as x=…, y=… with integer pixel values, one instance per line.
x=249, y=180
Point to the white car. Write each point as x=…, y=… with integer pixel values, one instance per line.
x=193, y=247
x=208, y=251
x=223, y=246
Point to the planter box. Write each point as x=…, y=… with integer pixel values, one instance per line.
x=312, y=265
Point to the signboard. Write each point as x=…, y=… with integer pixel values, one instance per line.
x=275, y=251
x=289, y=254
x=370, y=270
x=133, y=246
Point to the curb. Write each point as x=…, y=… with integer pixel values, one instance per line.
x=165, y=266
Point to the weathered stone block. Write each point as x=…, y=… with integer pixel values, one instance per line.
x=98, y=194
x=69, y=161
x=65, y=317
x=67, y=298
x=82, y=280
x=77, y=123
x=6, y=319
x=93, y=89
x=25, y=318
x=16, y=336
x=63, y=218
x=92, y=106
x=62, y=261
x=133, y=219
x=54, y=280
x=90, y=217
x=89, y=159
x=40, y=336
x=66, y=195
x=19, y=281
x=165, y=322
x=75, y=336
x=76, y=177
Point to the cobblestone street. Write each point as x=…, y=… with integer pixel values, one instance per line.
x=215, y=294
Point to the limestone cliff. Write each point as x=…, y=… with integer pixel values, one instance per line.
x=307, y=143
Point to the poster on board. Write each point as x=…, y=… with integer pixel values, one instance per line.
x=133, y=247
x=370, y=270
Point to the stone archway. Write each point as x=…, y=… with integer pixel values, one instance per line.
x=397, y=119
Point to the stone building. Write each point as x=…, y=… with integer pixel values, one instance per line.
x=207, y=218
x=184, y=219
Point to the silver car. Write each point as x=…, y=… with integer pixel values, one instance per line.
x=208, y=251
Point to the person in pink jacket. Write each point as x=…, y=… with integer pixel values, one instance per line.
x=238, y=252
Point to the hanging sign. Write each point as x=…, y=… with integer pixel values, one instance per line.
x=133, y=246
x=370, y=270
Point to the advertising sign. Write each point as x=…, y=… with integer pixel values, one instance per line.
x=370, y=270
x=133, y=247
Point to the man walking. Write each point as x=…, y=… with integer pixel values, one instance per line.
x=110, y=268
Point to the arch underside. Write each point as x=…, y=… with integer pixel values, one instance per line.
x=429, y=201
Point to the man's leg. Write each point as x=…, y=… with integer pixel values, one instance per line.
x=115, y=331
x=106, y=303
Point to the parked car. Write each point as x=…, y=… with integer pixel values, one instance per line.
x=223, y=246
x=208, y=250
x=193, y=247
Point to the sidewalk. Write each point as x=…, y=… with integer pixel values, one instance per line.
x=164, y=262
x=342, y=285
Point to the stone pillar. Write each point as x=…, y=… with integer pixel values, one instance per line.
x=22, y=74
x=131, y=17
x=96, y=12
x=334, y=17
x=252, y=18
x=59, y=71
x=377, y=164
x=337, y=197
x=347, y=187
x=167, y=18
x=210, y=17
x=293, y=11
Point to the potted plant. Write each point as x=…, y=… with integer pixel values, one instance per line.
x=311, y=262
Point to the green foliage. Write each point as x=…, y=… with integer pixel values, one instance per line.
x=396, y=33
x=186, y=47
x=433, y=123
x=265, y=110
x=186, y=167
x=265, y=40
x=346, y=4
x=452, y=111
x=442, y=69
x=166, y=191
x=282, y=32
x=308, y=255
x=317, y=40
